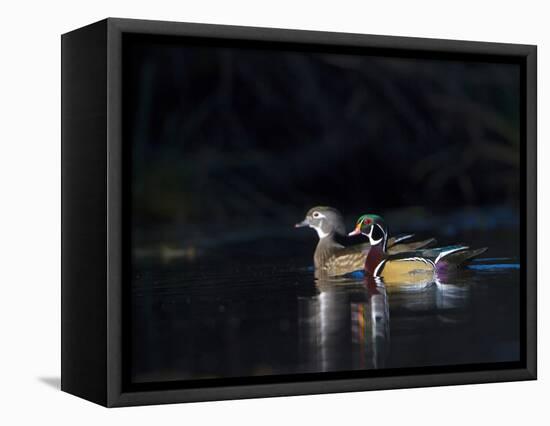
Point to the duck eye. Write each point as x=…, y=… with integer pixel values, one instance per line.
x=316, y=215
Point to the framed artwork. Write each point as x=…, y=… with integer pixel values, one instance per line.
x=252, y=212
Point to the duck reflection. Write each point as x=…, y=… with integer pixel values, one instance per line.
x=452, y=299
x=348, y=322
x=370, y=326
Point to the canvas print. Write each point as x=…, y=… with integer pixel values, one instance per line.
x=300, y=210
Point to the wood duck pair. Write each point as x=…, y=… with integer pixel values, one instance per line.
x=400, y=267
x=331, y=257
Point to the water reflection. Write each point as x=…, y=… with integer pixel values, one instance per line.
x=279, y=319
x=350, y=314
x=355, y=313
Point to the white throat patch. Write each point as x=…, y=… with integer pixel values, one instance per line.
x=373, y=242
x=322, y=234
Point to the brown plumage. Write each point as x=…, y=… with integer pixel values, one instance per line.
x=334, y=259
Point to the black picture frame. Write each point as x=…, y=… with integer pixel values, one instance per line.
x=93, y=212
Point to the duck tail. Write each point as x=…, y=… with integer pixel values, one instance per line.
x=417, y=245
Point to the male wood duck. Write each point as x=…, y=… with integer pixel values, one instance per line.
x=396, y=268
x=333, y=258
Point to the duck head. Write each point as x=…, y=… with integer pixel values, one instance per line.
x=372, y=226
x=325, y=220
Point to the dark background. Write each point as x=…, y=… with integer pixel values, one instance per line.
x=231, y=145
x=233, y=135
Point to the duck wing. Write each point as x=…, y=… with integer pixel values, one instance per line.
x=444, y=257
x=347, y=260
x=398, y=239
x=457, y=256
x=410, y=246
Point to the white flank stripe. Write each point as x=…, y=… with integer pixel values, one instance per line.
x=378, y=268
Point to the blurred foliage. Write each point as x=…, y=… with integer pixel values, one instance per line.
x=222, y=134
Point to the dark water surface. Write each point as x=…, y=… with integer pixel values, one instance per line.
x=240, y=312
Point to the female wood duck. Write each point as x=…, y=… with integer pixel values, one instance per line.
x=396, y=268
x=333, y=258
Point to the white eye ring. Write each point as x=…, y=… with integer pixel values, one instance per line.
x=316, y=215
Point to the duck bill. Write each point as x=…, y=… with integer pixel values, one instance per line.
x=356, y=231
x=302, y=224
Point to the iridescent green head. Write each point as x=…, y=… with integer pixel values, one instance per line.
x=372, y=226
